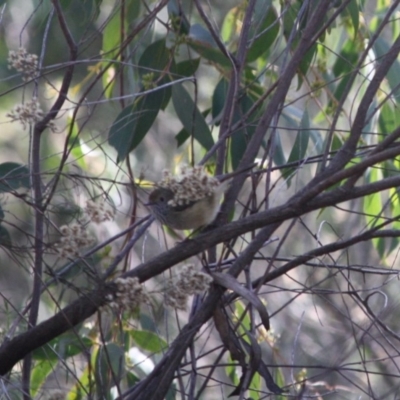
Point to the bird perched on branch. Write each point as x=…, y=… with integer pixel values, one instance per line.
x=190, y=200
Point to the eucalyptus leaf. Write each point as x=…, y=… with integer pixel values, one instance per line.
x=299, y=147
x=147, y=340
x=190, y=116
x=13, y=176
x=203, y=43
x=134, y=121
x=264, y=35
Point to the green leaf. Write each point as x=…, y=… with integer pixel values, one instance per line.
x=147, y=340
x=381, y=47
x=306, y=62
x=63, y=347
x=154, y=59
x=180, y=23
x=13, y=176
x=181, y=137
x=191, y=118
x=292, y=116
x=82, y=386
x=265, y=33
x=211, y=54
x=133, y=9
x=74, y=143
x=94, y=9
x=146, y=108
x=233, y=19
x=317, y=140
x=131, y=378
x=338, y=93
x=70, y=345
x=395, y=210
x=279, y=156
x=147, y=322
x=201, y=41
x=372, y=207
x=352, y=9
x=241, y=137
x=219, y=98
x=380, y=245
x=255, y=386
x=251, y=80
x=109, y=369
x=373, y=202
x=346, y=60
x=260, y=8
x=299, y=148
x=231, y=371
x=186, y=68
x=122, y=132
x=337, y=143
x=244, y=318
x=112, y=37
x=344, y=65
x=370, y=126
x=154, y=62
x=87, y=10
x=5, y=237
x=184, y=135
x=389, y=118
x=133, y=123
x=280, y=382
x=172, y=391
x=46, y=352
x=289, y=20
x=110, y=48
x=40, y=372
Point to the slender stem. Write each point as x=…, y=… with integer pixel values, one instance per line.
x=38, y=251
x=37, y=190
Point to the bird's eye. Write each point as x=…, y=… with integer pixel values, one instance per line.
x=162, y=199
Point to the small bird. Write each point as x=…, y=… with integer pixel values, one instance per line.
x=192, y=215
x=191, y=201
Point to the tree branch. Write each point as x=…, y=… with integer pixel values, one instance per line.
x=15, y=349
